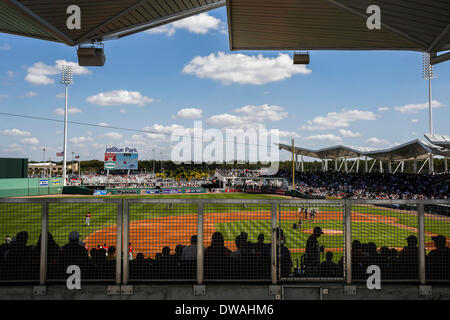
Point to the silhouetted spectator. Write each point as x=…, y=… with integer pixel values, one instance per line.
x=312, y=253
x=190, y=252
x=408, y=260
x=438, y=260
x=328, y=268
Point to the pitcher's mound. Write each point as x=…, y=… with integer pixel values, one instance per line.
x=325, y=231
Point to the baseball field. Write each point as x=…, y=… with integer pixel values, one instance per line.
x=154, y=226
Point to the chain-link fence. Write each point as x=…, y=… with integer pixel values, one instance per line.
x=84, y=235
x=437, y=242
x=20, y=233
x=311, y=241
x=237, y=239
x=162, y=242
x=385, y=236
x=203, y=240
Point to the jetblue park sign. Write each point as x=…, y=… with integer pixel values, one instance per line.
x=120, y=150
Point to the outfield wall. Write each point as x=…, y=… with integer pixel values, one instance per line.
x=30, y=187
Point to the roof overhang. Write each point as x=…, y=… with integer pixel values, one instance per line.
x=416, y=149
x=419, y=25
x=100, y=19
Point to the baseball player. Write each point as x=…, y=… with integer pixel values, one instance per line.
x=130, y=251
x=88, y=218
x=312, y=214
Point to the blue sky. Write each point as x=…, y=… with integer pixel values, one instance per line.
x=150, y=77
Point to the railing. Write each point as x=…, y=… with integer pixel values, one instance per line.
x=206, y=240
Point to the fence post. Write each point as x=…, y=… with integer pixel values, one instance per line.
x=348, y=241
x=44, y=243
x=125, y=236
x=421, y=225
x=200, y=260
x=274, y=244
x=119, y=219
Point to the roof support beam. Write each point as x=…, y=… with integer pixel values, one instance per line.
x=162, y=21
x=435, y=59
x=47, y=26
x=107, y=22
x=337, y=3
x=442, y=39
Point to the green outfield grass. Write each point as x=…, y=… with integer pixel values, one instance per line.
x=66, y=217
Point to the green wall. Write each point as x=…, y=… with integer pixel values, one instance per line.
x=29, y=187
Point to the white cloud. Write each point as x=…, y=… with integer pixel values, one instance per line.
x=32, y=141
x=414, y=120
x=341, y=119
x=348, y=133
x=327, y=136
x=31, y=94
x=39, y=73
x=231, y=121
x=16, y=132
x=113, y=135
x=72, y=110
x=61, y=95
x=10, y=73
x=161, y=132
x=415, y=108
x=383, y=109
x=262, y=113
x=13, y=148
x=200, y=24
x=119, y=97
x=5, y=47
x=189, y=113
x=244, y=69
x=123, y=110
x=103, y=124
x=3, y=96
x=79, y=140
x=377, y=141
x=250, y=117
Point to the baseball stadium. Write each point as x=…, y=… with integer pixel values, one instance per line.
x=140, y=228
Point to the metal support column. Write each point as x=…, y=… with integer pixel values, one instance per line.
x=44, y=243
x=345, y=165
x=445, y=165
x=200, y=260
x=415, y=165
x=422, y=253
x=119, y=221
x=348, y=241
x=302, y=163
x=274, y=273
x=381, y=166
x=125, y=242
x=365, y=165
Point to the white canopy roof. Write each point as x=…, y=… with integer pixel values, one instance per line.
x=415, y=149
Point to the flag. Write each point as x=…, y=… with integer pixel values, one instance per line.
x=60, y=154
x=77, y=157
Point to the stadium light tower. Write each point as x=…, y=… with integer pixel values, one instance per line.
x=66, y=79
x=428, y=74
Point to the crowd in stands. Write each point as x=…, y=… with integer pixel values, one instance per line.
x=250, y=260
x=373, y=185
x=247, y=173
x=135, y=181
